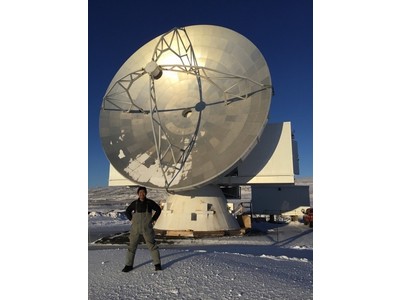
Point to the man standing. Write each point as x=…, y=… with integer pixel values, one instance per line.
x=142, y=224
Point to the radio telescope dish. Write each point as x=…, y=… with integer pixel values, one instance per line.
x=186, y=108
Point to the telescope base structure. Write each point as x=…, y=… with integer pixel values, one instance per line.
x=197, y=213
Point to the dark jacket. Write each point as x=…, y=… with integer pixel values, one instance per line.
x=141, y=207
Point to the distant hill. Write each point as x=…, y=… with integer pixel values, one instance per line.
x=124, y=195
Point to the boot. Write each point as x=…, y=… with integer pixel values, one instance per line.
x=158, y=267
x=127, y=269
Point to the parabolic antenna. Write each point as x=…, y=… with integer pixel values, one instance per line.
x=186, y=108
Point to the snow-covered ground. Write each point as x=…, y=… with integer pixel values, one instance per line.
x=273, y=261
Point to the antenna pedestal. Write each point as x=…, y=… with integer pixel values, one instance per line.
x=195, y=213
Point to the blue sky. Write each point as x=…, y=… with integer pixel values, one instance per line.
x=281, y=30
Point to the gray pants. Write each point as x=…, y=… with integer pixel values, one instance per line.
x=141, y=225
